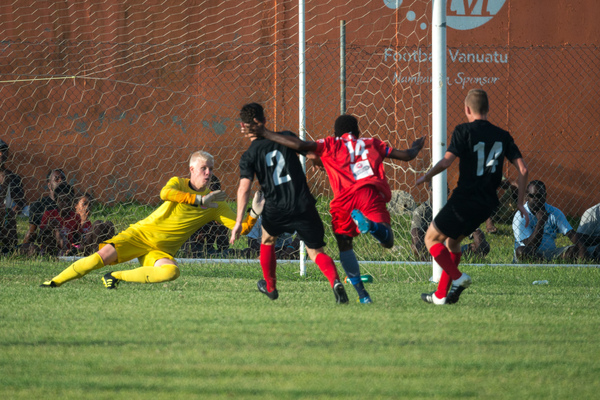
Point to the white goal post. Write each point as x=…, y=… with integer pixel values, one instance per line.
x=438, y=112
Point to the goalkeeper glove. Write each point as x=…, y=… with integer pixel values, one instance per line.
x=258, y=203
x=210, y=199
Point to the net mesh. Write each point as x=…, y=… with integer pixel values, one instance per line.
x=119, y=94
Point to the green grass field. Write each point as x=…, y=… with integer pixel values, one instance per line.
x=211, y=334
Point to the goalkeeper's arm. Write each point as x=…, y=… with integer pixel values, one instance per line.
x=248, y=222
x=171, y=192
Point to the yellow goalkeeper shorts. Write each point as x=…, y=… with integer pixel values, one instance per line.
x=126, y=250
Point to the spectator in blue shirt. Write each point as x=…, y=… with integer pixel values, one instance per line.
x=537, y=241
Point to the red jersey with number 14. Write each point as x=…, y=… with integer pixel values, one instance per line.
x=353, y=163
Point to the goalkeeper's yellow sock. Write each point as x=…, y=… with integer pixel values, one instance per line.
x=79, y=268
x=163, y=273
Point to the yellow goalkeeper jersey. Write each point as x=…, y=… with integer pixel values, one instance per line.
x=171, y=224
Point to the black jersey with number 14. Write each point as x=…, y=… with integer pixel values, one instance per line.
x=481, y=147
x=280, y=176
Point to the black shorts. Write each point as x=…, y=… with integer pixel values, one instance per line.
x=460, y=217
x=308, y=226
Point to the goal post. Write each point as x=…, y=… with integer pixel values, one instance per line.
x=438, y=112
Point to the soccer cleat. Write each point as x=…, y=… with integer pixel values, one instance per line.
x=433, y=299
x=50, y=284
x=262, y=287
x=110, y=282
x=340, y=292
x=361, y=222
x=457, y=288
x=365, y=300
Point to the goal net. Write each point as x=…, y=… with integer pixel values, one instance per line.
x=118, y=94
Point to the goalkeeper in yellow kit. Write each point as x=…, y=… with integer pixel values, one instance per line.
x=188, y=205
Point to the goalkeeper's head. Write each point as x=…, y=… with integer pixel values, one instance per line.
x=201, y=155
x=346, y=124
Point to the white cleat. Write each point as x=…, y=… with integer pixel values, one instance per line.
x=457, y=288
x=433, y=299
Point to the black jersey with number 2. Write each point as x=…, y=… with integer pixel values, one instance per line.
x=481, y=147
x=280, y=176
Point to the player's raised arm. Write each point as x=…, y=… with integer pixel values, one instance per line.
x=258, y=129
x=441, y=166
x=408, y=154
x=172, y=192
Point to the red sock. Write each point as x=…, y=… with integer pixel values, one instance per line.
x=445, y=281
x=443, y=286
x=268, y=263
x=326, y=265
x=442, y=256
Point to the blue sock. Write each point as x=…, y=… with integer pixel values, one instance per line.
x=352, y=269
x=380, y=232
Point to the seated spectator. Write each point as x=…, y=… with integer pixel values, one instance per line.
x=92, y=234
x=536, y=242
x=210, y=240
x=589, y=231
x=60, y=229
x=422, y=217
x=47, y=202
x=12, y=198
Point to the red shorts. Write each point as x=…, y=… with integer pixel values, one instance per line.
x=368, y=200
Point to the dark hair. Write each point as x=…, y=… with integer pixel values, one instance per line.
x=64, y=189
x=3, y=145
x=537, y=184
x=60, y=171
x=88, y=196
x=251, y=111
x=346, y=124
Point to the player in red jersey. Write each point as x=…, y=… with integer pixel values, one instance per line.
x=361, y=191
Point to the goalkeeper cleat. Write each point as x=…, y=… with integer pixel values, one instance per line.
x=457, y=288
x=110, y=282
x=431, y=298
x=340, y=292
x=363, y=224
x=262, y=287
x=365, y=300
x=50, y=284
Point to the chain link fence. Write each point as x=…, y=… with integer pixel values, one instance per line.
x=121, y=111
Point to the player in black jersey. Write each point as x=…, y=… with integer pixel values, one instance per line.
x=289, y=205
x=481, y=147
